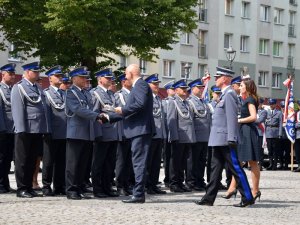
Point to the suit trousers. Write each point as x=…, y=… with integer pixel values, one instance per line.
x=220, y=155
x=167, y=157
x=140, y=146
x=273, y=145
x=196, y=162
x=76, y=163
x=88, y=171
x=153, y=162
x=284, y=151
x=178, y=162
x=27, y=146
x=103, y=165
x=6, y=156
x=297, y=151
x=124, y=169
x=260, y=143
x=54, y=163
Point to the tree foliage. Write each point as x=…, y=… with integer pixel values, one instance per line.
x=70, y=32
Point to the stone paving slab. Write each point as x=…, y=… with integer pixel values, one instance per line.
x=280, y=204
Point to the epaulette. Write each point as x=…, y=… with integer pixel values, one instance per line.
x=19, y=82
x=46, y=89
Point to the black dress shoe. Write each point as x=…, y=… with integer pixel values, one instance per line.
x=150, y=191
x=198, y=188
x=87, y=190
x=244, y=204
x=59, y=191
x=297, y=170
x=203, y=202
x=112, y=193
x=85, y=196
x=100, y=195
x=33, y=193
x=124, y=191
x=158, y=191
x=73, y=196
x=134, y=199
x=176, y=189
x=47, y=192
x=185, y=188
x=4, y=191
x=222, y=187
x=24, y=194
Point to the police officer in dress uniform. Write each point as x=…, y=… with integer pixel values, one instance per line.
x=181, y=135
x=154, y=157
x=6, y=125
x=273, y=133
x=202, y=122
x=124, y=170
x=54, y=156
x=106, y=139
x=65, y=84
x=29, y=112
x=167, y=145
x=284, y=146
x=260, y=125
x=223, y=139
x=297, y=141
x=80, y=132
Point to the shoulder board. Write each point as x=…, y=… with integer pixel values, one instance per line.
x=93, y=89
x=19, y=82
x=46, y=89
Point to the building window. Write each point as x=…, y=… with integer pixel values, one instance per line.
x=277, y=48
x=168, y=68
x=186, y=71
x=262, y=78
x=246, y=9
x=186, y=39
x=278, y=15
x=227, y=40
x=228, y=7
x=12, y=55
x=265, y=13
x=244, y=43
x=143, y=66
x=202, y=11
x=276, y=80
x=123, y=61
x=263, y=46
x=202, y=70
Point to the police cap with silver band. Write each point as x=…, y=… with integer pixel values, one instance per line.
x=80, y=71
x=56, y=70
x=169, y=85
x=180, y=84
x=105, y=73
x=282, y=103
x=215, y=89
x=221, y=71
x=272, y=101
x=236, y=80
x=152, y=79
x=122, y=77
x=34, y=66
x=10, y=67
x=196, y=83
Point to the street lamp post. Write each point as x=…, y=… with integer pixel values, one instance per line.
x=187, y=70
x=230, y=55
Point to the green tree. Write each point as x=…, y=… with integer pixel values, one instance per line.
x=76, y=32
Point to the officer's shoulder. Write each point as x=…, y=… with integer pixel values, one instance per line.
x=47, y=89
x=20, y=82
x=93, y=89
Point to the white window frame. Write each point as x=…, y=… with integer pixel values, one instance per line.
x=276, y=80
x=244, y=43
x=13, y=57
x=278, y=46
x=292, y=17
x=168, y=68
x=183, y=74
x=265, y=47
x=186, y=39
x=245, y=11
x=262, y=78
x=278, y=16
x=265, y=13
x=202, y=68
x=229, y=40
x=123, y=61
x=228, y=7
x=143, y=66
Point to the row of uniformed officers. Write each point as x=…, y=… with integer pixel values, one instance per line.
x=71, y=128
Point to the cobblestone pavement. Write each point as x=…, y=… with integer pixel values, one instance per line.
x=280, y=204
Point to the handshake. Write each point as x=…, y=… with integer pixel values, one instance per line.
x=102, y=118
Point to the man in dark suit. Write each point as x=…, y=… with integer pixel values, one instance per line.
x=139, y=127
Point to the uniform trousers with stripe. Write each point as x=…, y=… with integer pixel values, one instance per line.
x=220, y=155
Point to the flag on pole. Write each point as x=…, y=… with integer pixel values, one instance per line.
x=289, y=112
x=205, y=93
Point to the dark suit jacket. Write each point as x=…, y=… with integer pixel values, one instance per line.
x=138, y=111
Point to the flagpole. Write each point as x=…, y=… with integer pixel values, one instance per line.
x=292, y=156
